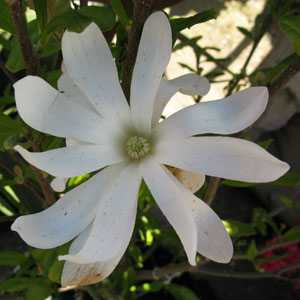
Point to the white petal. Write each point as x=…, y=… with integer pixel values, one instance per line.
x=225, y=116
x=89, y=62
x=114, y=223
x=68, y=87
x=225, y=157
x=190, y=180
x=189, y=84
x=72, y=161
x=47, y=110
x=70, y=215
x=85, y=274
x=152, y=58
x=213, y=240
x=58, y=184
x=171, y=199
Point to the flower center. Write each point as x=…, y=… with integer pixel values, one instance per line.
x=137, y=147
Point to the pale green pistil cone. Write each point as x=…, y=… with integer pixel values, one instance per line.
x=137, y=147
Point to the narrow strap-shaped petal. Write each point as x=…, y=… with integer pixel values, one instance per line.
x=73, y=161
x=171, y=200
x=69, y=88
x=225, y=116
x=114, y=222
x=89, y=62
x=67, y=217
x=213, y=240
x=84, y=274
x=50, y=111
x=152, y=58
x=225, y=157
x=58, y=184
x=188, y=84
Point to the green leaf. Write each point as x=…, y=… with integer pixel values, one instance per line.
x=69, y=19
x=52, y=77
x=245, y=32
x=8, y=128
x=44, y=258
x=293, y=234
x=261, y=220
x=252, y=251
x=120, y=11
x=40, y=7
x=38, y=292
x=77, y=20
x=180, y=292
x=37, y=288
x=266, y=144
x=15, y=61
x=15, y=284
x=55, y=271
x=291, y=179
x=238, y=229
x=104, y=16
x=287, y=201
x=179, y=24
x=291, y=26
x=47, y=260
x=6, y=22
x=4, y=41
x=238, y=184
x=11, y=258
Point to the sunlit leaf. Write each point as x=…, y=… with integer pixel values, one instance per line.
x=252, y=251
x=238, y=229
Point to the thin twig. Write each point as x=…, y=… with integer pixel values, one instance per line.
x=290, y=268
x=164, y=273
x=212, y=189
x=30, y=58
x=32, y=66
x=142, y=9
x=277, y=246
x=83, y=2
x=43, y=182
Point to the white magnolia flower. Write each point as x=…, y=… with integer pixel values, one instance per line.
x=102, y=132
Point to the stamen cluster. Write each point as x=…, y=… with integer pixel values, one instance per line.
x=137, y=147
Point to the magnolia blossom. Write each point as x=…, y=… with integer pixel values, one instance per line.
x=128, y=144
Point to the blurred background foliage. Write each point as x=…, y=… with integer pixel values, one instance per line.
x=235, y=44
